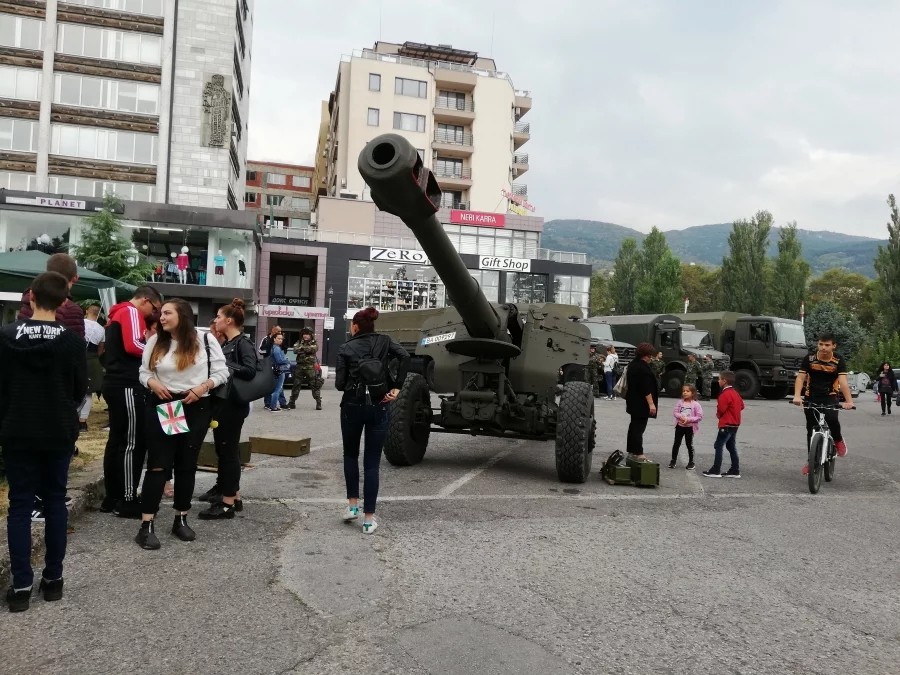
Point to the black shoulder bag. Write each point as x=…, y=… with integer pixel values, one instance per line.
x=262, y=384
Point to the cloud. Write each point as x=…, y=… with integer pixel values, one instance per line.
x=645, y=113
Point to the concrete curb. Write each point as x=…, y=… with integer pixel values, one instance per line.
x=85, y=489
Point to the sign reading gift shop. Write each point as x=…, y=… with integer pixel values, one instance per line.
x=292, y=312
x=398, y=255
x=478, y=218
x=489, y=262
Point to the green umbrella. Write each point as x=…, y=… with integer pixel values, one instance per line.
x=18, y=268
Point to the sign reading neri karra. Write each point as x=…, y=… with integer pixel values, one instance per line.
x=489, y=262
x=398, y=255
x=215, y=129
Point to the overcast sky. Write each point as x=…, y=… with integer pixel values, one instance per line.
x=646, y=112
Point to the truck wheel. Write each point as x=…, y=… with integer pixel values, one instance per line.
x=429, y=374
x=575, y=429
x=410, y=426
x=747, y=384
x=774, y=393
x=672, y=382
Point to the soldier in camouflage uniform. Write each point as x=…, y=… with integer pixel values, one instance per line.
x=707, y=368
x=593, y=372
x=307, y=370
x=692, y=373
x=658, y=366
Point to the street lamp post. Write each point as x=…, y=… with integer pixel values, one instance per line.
x=327, y=331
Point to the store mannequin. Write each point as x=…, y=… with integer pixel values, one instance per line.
x=219, y=261
x=182, y=263
x=172, y=268
x=242, y=272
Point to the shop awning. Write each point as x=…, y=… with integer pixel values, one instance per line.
x=18, y=268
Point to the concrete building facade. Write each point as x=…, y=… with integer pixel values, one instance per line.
x=281, y=194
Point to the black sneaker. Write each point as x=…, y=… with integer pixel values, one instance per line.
x=146, y=537
x=108, y=505
x=712, y=474
x=82, y=426
x=52, y=590
x=128, y=509
x=18, y=601
x=218, y=511
x=214, y=494
x=291, y=406
x=673, y=464
x=318, y=405
x=731, y=474
x=238, y=505
x=68, y=501
x=182, y=530
x=690, y=466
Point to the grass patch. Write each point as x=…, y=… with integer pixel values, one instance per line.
x=91, y=446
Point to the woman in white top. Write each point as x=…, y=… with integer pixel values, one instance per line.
x=178, y=365
x=610, y=363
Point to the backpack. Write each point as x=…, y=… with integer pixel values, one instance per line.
x=371, y=371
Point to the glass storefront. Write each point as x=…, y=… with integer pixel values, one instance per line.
x=572, y=291
x=526, y=288
x=493, y=241
x=28, y=230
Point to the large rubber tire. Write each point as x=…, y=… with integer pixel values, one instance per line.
x=829, y=468
x=814, y=477
x=774, y=393
x=746, y=382
x=429, y=374
x=410, y=426
x=673, y=381
x=575, y=430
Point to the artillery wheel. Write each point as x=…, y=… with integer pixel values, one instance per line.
x=575, y=429
x=410, y=426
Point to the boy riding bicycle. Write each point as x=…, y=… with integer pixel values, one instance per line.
x=822, y=377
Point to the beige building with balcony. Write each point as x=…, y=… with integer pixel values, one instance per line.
x=461, y=113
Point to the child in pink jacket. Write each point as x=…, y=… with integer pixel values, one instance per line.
x=688, y=414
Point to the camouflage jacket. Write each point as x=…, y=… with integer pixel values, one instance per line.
x=306, y=353
x=707, y=368
x=692, y=372
x=657, y=366
x=595, y=364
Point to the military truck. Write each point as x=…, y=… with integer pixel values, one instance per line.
x=670, y=335
x=601, y=338
x=765, y=351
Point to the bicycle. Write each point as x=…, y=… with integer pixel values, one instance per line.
x=822, y=452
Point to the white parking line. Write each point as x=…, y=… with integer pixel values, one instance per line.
x=459, y=482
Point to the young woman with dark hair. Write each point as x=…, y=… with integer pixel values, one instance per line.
x=175, y=368
x=885, y=386
x=361, y=412
x=240, y=357
x=641, y=398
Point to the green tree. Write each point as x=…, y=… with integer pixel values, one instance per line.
x=871, y=356
x=601, y=302
x=744, y=268
x=887, y=265
x=827, y=317
x=659, y=289
x=702, y=287
x=790, y=274
x=105, y=250
x=848, y=290
x=626, y=272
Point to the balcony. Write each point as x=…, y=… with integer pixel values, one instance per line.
x=520, y=164
x=454, y=112
x=520, y=190
x=523, y=103
x=454, y=179
x=521, y=134
x=453, y=144
x=455, y=76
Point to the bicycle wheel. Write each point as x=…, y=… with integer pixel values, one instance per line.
x=829, y=463
x=816, y=448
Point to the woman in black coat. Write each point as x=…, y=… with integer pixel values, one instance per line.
x=641, y=398
x=885, y=386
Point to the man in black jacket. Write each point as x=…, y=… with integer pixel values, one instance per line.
x=123, y=459
x=42, y=381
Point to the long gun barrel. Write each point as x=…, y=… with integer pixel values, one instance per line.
x=400, y=184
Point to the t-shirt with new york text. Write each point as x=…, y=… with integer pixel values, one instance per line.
x=31, y=332
x=822, y=375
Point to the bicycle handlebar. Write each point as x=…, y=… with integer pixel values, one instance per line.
x=821, y=406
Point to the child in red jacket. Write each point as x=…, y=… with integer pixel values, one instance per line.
x=728, y=411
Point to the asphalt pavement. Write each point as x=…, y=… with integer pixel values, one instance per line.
x=484, y=563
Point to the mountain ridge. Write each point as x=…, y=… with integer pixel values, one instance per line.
x=708, y=244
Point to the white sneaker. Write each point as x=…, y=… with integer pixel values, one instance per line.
x=369, y=528
x=352, y=513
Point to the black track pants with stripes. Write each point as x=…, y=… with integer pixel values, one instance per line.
x=126, y=448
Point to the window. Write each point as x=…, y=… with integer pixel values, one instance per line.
x=300, y=203
x=19, y=135
x=276, y=179
x=11, y=180
x=374, y=117
x=524, y=287
x=274, y=200
x=374, y=82
x=148, y=7
x=406, y=87
x=86, y=187
x=95, y=92
x=452, y=99
x=250, y=198
x=251, y=175
x=105, y=43
x=421, y=154
x=451, y=133
x=407, y=122
x=572, y=290
x=20, y=83
x=17, y=31
x=448, y=167
x=300, y=222
x=301, y=181
x=103, y=144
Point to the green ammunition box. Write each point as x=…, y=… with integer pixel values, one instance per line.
x=644, y=473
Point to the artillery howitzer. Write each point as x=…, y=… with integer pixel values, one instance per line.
x=500, y=362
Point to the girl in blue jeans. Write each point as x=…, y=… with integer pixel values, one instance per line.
x=281, y=367
x=360, y=412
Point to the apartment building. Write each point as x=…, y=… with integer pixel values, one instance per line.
x=282, y=194
x=461, y=113
x=145, y=98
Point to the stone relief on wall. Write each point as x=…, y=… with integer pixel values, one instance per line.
x=216, y=127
